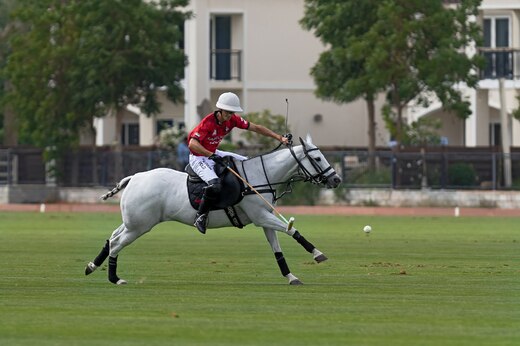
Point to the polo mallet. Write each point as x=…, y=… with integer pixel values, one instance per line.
x=291, y=219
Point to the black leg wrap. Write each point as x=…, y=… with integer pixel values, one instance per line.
x=112, y=270
x=284, y=268
x=102, y=255
x=303, y=242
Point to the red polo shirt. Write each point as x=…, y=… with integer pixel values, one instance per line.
x=210, y=133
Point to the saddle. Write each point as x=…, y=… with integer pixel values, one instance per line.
x=230, y=194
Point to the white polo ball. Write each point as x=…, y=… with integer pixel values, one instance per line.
x=367, y=229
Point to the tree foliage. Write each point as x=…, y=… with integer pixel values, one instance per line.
x=418, y=47
x=269, y=120
x=516, y=112
x=406, y=48
x=422, y=132
x=6, y=7
x=340, y=74
x=74, y=60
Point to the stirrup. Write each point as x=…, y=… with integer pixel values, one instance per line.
x=201, y=222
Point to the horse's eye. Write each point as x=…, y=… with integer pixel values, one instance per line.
x=318, y=159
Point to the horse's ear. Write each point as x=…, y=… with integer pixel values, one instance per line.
x=308, y=140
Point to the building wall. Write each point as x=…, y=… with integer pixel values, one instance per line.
x=452, y=127
x=277, y=57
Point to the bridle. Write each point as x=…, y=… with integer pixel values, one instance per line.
x=320, y=176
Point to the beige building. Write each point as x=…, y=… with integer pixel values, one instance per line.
x=258, y=50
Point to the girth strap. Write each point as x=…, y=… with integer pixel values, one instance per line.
x=232, y=215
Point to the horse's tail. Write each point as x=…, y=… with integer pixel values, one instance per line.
x=121, y=185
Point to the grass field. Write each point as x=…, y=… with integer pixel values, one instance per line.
x=412, y=281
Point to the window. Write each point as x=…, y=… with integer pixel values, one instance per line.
x=222, y=46
x=163, y=125
x=495, y=136
x=497, y=37
x=180, y=44
x=225, y=62
x=130, y=134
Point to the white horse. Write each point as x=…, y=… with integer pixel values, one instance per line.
x=161, y=194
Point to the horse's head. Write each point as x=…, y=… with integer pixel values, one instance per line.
x=315, y=166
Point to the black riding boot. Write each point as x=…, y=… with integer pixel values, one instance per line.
x=210, y=195
x=201, y=219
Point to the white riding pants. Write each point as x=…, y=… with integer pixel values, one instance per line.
x=205, y=168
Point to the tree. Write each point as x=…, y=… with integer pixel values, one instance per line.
x=8, y=133
x=127, y=63
x=340, y=74
x=405, y=48
x=267, y=119
x=74, y=60
x=422, y=132
x=516, y=112
x=416, y=48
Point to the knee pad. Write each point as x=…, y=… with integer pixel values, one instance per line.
x=213, y=188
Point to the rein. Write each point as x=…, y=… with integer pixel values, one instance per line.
x=305, y=175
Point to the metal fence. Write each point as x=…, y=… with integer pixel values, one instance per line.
x=463, y=168
x=5, y=167
x=435, y=170
x=22, y=166
x=106, y=168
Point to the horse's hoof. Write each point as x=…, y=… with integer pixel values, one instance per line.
x=296, y=282
x=89, y=269
x=320, y=258
x=118, y=281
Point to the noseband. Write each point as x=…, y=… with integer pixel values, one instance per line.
x=320, y=177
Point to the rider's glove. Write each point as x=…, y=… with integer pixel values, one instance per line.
x=217, y=158
x=289, y=138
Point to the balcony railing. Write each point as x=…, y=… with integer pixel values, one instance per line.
x=226, y=64
x=500, y=63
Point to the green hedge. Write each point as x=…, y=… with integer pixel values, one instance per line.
x=462, y=174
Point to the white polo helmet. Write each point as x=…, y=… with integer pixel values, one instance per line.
x=229, y=102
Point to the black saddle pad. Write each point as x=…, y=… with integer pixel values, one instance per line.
x=230, y=194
